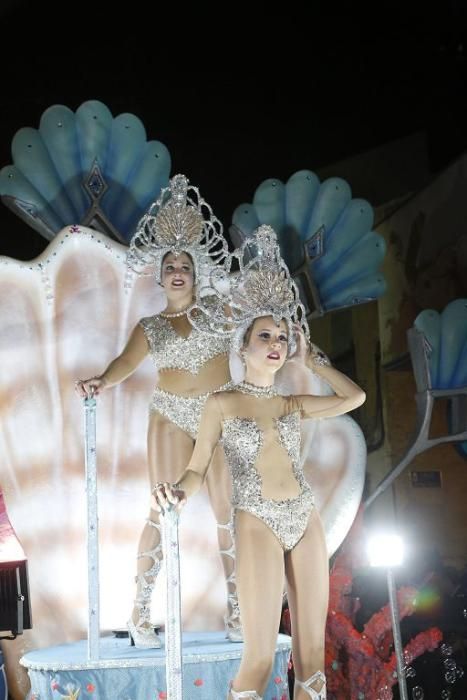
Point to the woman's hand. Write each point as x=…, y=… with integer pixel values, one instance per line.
x=165, y=495
x=317, y=358
x=307, y=352
x=302, y=350
x=87, y=388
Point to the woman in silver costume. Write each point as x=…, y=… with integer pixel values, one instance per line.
x=278, y=532
x=177, y=240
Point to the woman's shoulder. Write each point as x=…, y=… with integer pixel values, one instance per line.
x=151, y=328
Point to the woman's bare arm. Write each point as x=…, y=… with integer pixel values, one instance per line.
x=348, y=395
x=129, y=359
x=120, y=368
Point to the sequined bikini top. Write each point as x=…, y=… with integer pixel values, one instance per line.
x=169, y=350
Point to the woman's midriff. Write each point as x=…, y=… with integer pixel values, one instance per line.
x=273, y=464
x=212, y=375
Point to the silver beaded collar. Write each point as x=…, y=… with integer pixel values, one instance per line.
x=175, y=314
x=259, y=391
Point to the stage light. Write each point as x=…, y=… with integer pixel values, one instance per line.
x=386, y=550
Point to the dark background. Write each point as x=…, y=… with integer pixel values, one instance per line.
x=238, y=99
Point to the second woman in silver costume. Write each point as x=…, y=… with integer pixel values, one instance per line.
x=278, y=531
x=175, y=239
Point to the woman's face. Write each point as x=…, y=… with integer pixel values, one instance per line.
x=177, y=275
x=266, y=348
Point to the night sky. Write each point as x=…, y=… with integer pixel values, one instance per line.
x=238, y=100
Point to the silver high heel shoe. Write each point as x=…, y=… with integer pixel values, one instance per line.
x=142, y=637
x=233, y=625
x=251, y=694
x=314, y=679
x=142, y=634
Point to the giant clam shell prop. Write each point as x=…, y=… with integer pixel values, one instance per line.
x=65, y=315
x=345, y=254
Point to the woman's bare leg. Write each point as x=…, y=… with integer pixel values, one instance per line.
x=219, y=489
x=307, y=575
x=260, y=582
x=169, y=451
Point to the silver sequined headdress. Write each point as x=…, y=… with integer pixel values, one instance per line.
x=179, y=221
x=262, y=286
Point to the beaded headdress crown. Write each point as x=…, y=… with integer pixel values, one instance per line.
x=179, y=221
x=262, y=287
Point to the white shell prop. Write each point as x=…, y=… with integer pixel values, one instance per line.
x=64, y=316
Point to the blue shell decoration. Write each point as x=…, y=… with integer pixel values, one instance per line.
x=446, y=349
x=325, y=237
x=446, y=337
x=84, y=168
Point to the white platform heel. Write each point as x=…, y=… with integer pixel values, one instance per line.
x=142, y=634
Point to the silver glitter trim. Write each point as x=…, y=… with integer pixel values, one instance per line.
x=154, y=658
x=92, y=527
x=263, y=286
x=173, y=620
x=243, y=440
x=169, y=350
x=258, y=391
x=184, y=411
x=179, y=221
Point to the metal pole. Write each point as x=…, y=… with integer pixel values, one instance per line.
x=396, y=630
x=92, y=528
x=173, y=620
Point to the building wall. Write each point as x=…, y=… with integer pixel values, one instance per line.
x=425, y=267
x=385, y=173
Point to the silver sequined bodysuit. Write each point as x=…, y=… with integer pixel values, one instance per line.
x=169, y=350
x=253, y=433
x=242, y=440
